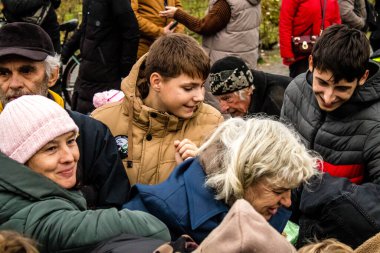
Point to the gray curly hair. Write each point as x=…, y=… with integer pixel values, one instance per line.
x=51, y=63
x=242, y=152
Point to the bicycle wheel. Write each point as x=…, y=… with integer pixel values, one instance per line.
x=70, y=74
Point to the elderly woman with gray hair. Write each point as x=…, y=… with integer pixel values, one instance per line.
x=259, y=160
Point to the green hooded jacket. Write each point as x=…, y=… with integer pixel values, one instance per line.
x=57, y=219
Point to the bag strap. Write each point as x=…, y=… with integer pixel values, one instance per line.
x=323, y=8
x=39, y=16
x=323, y=16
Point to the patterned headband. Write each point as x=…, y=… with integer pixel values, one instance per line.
x=228, y=81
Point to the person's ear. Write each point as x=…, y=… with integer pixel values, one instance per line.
x=310, y=63
x=155, y=81
x=53, y=77
x=364, y=78
x=250, y=90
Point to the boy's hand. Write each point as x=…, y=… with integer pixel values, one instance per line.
x=184, y=149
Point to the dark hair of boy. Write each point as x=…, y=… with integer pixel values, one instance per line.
x=342, y=50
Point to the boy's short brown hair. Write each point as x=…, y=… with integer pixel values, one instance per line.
x=175, y=54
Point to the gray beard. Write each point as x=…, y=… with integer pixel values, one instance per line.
x=43, y=91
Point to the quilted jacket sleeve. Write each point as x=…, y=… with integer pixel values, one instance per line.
x=288, y=104
x=147, y=27
x=371, y=154
x=147, y=13
x=58, y=227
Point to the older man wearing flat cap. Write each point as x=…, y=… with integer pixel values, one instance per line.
x=30, y=66
x=241, y=91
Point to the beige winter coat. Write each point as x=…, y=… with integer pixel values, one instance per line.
x=153, y=132
x=372, y=245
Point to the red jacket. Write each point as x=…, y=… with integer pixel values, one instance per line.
x=300, y=17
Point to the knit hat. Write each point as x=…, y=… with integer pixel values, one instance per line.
x=25, y=39
x=30, y=122
x=229, y=74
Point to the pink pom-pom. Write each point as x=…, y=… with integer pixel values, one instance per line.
x=105, y=97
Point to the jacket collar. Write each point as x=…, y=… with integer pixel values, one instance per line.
x=258, y=93
x=370, y=91
x=201, y=199
x=143, y=115
x=57, y=98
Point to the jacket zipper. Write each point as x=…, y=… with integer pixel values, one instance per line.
x=316, y=129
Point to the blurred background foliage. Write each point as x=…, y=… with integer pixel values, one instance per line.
x=270, y=10
x=268, y=29
x=69, y=9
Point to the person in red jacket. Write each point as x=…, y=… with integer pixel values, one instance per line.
x=303, y=18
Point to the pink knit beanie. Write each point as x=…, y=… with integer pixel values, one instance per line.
x=30, y=122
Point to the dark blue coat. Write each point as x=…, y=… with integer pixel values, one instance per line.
x=101, y=175
x=183, y=203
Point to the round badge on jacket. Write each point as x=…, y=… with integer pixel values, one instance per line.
x=122, y=145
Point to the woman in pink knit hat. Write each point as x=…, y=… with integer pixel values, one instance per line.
x=42, y=200
x=41, y=136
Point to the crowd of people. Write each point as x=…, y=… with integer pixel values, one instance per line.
x=277, y=164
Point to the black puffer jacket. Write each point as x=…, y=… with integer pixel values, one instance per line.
x=336, y=208
x=347, y=138
x=108, y=40
x=16, y=10
x=101, y=174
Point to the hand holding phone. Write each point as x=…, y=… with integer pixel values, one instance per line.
x=173, y=25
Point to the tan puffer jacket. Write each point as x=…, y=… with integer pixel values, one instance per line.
x=154, y=132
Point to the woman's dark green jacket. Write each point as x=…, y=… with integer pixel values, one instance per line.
x=33, y=205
